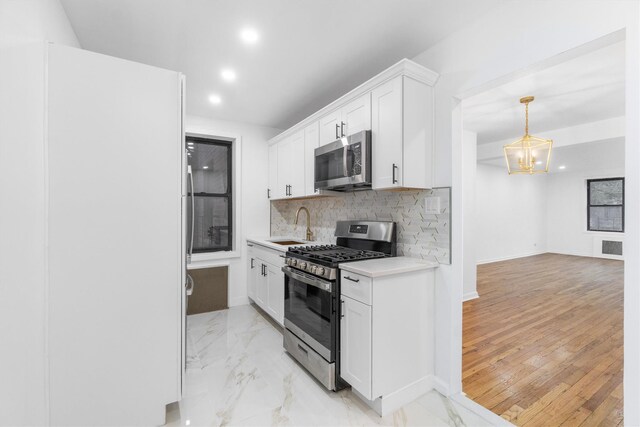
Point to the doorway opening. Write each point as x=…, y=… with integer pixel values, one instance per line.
x=543, y=320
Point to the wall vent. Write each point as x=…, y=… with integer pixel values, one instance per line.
x=611, y=247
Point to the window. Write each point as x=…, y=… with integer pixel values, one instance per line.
x=210, y=162
x=605, y=204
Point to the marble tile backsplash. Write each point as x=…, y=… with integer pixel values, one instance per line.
x=420, y=235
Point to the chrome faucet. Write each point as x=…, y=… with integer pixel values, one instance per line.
x=309, y=233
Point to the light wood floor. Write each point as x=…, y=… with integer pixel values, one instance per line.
x=542, y=346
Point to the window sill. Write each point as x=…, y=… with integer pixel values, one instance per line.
x=606, y=233
x=212, y=259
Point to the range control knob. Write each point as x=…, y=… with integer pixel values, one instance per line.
x=302, y=265
x=320, y=271
x=294, y=262
x=313, y=269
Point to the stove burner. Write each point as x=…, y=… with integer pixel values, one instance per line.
x=333, y=253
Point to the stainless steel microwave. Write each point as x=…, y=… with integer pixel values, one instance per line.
x=345, y=164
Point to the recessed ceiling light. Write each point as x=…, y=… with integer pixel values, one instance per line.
x=562, y=167
x=215, y=99
x=249, y=35
x=190, y=143
x=205, y=167
x=228, y=75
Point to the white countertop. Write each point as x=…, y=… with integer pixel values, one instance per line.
x=268, y=242
x=387, y=266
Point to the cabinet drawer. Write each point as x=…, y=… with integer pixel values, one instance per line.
x=266, y=254
x=356, y=286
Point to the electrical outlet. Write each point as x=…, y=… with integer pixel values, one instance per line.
x=432, y=205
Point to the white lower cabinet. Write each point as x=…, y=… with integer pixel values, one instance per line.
x=355, y=344
x=265, y=280
x=252, y=273
x=274, y=282
x=387, y=336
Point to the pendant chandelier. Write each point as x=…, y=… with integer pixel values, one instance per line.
x=529, y=154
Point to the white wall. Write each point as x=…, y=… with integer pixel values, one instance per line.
x=498, y=46
x=469, y=273
x=567, y=212
x=511, y=214
x=35, y=20
x=254, y=212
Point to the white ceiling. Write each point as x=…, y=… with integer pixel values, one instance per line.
x=589, y=156
x=310, y=51
x=585, y=89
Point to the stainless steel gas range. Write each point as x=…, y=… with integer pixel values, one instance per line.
x=312, y=290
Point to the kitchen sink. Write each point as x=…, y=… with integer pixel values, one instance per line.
x=288, y=242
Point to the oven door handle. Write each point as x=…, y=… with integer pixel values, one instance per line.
x=307, y=279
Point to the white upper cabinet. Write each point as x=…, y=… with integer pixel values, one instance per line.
x=402, y=134
x=386, y=135
x=285, y=157
x=297, y=176
x=311, y=142
x=272, y=189
x=290, y=170
x=356, y=115
x=396, y=105
x=330, y=127
x=352, y=118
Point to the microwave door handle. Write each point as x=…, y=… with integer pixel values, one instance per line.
x=345, y=166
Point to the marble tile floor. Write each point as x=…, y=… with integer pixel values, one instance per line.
x=239, y=374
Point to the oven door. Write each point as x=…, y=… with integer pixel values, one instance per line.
x=344, y=164
x=309, y=304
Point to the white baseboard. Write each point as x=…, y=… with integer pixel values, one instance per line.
x=507, y=258
x=440, y=386
x=470, y=295
x=234, y=302
x=479, y=410
x=393, y=401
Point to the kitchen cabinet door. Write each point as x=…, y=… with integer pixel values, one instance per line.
x=311, y=140
x=253, y=267
x=387, y=135
x=296, y=166
x=330, y=127
x=356, y=116
x=261, y=284
x=285, y=158
x=275, y=292
x=272, y=191
x=355, y=344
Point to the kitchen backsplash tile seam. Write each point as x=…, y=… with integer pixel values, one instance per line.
x=420, y=234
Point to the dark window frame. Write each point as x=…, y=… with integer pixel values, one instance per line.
x=589, y=205
x=228, y=195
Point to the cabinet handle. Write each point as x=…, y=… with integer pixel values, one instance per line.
x=342, y=128
x=252, y=266
x=302, y=349
x=263, y=270
x=393, y=174
x=353, y=280
x=290, y=191
x=341, y=309
x=268, y=193
x=337, y=131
